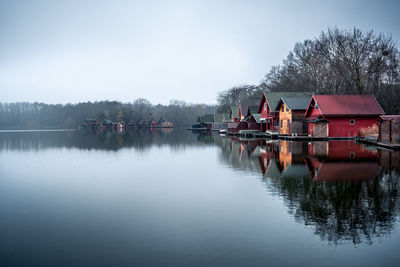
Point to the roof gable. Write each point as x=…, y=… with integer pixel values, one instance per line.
x=257, y=117
x=275, y=97
x=251, y=110
x=295, y=103
x=346, y=105
x=235, y=112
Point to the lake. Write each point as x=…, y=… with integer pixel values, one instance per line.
x=175, y=198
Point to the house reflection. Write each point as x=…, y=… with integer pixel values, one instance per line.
x=347, y=192
x=341, y=161
x=265, y=154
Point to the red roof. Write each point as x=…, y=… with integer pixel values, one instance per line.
x=347, y=105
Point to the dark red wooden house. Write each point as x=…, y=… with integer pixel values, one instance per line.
x=267, y=108
x=342, y=115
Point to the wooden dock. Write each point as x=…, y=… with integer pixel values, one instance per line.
x=255, y=134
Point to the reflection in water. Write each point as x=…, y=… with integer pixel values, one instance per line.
x=347, y=191
x=140, y=139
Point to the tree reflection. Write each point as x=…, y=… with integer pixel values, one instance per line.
x=345, y=191
x=138, y=139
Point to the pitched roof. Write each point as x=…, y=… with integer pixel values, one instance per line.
x=257, y=117
x=218, y=117
x=347, y=105
x=253, y=101
x=274, y=98
x=296, y=103
x=227, y=117
x=235, y=112
x=252, y=110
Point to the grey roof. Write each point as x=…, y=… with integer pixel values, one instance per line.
x=296, y=103
x=235, y=111
x=274, y=98
x=250, y=102
x=227, y=117
x=252, y=110
x=218, y=117
x=257, y=117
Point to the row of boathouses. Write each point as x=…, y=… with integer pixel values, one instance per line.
x=293, y=114
x=110, y=124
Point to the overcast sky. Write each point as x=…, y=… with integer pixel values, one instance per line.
x=73, y=51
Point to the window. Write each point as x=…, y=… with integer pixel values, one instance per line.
x=352, y=122
x=282, y=109
x=352, y=155
x=281, y=123
x=316, y=106
x=265, y=106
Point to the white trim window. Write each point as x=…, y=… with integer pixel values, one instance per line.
x=265, y=106
x=352, y=122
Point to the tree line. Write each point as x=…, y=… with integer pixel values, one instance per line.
x=23, y=115
x=336, y=62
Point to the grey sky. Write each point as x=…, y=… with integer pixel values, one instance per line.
x=72, y=51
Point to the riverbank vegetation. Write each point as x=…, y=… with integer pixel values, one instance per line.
x=39, y=115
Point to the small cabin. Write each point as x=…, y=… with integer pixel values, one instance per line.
x=389, y=129
x=92, y=123
x=219, y=123
x=343, y=115
x=291, y=115
x=206, y=121
x=163, y=123
x=268, y=108
x=254, y=122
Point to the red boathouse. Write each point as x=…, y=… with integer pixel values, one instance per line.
x=342, y=115
x=267, y=108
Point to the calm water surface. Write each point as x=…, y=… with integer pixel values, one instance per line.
x=174, y=198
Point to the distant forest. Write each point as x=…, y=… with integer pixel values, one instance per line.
x=39, y=115
x=336, y=62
